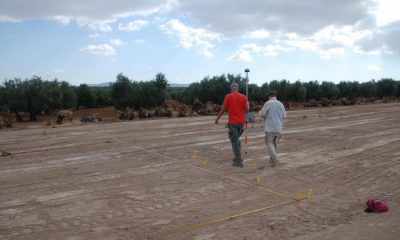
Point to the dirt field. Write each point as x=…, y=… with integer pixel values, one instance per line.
x=140, y=180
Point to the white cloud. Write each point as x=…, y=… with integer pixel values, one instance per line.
x=345, y=35
x=384, y=40
x=98, y=26
x=190, y=37
x=272, y=50
x=374, y=67
x=117, y=42
x=237, y=17
x=4, y=18
x=259, y=34
x=63, y=20
x=331, y=52
x=329, y=41
x=245, y=52
x=360, y=50
x=133, y=26
x=102, y=26
x=97, y=15
x=101, y=49
x=325, y=52
x=325, y=27
x=388, y=11
x=95, y=10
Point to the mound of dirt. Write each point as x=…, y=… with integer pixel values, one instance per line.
x=4, y=123
x=64, y=115
x=208, y=108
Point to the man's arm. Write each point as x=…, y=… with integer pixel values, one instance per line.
x=247, y=106
x=220, y=114
x=263, y=112
x=283, y=110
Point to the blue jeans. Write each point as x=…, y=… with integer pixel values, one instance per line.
x=235, y=131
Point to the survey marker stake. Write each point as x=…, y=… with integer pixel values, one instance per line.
x=195, y=155
x=246, y=140
x=309, y=194
x=299, y=196
x=258, y=181
x=255, y=165
x=205, y=162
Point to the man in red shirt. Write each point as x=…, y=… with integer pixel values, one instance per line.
x=237, y=106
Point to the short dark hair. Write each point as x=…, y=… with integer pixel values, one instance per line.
x=272, y=94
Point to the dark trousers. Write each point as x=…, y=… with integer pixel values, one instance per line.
x=235, y=131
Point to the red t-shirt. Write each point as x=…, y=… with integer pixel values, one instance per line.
x=236, y=104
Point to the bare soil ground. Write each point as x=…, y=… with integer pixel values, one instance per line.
x=138, y=180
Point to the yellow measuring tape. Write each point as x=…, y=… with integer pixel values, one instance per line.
x=284, y=195
x=208, y=222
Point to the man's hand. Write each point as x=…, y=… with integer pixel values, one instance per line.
x=247, y=107
x=221, y=112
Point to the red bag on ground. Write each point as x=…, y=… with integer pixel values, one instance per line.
x=376, y=206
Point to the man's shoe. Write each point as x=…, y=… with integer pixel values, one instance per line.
x=260, y=167
x=237, y=164
x=273, y=162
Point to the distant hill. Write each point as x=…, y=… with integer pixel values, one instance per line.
x=176, y=85
x=106, y=84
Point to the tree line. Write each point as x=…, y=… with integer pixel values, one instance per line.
x=36, y=95
x=214, y=89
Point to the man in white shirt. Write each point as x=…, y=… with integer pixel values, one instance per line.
x=273, y=112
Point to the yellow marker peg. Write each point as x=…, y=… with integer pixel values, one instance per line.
x=195, y=155
x=299, y=196
x=205, y=162
x=258, y=181
x=309, y=194
x=255, y=165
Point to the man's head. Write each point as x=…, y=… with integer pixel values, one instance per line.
x=271, y=94
x=234, y=87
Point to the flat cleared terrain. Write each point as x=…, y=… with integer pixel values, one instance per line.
x=173, y=179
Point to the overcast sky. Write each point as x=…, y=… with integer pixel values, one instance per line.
x=91, y=41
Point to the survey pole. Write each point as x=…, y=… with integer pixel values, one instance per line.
x=247, y=82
